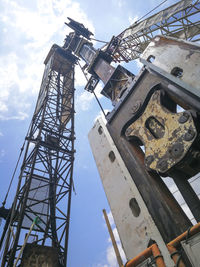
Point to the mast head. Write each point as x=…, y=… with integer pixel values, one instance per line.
x=79, y=28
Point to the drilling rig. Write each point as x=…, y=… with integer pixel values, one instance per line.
x=152, y=132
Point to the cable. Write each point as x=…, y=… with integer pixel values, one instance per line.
x=188, y=234
x=178, y=261
x=83, y=71
x=93, y=39
x=93, y=92
x=22, y=148
x=151, y=11
x=99, y=104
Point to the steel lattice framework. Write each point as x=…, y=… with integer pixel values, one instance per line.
x=46, y=178
x=180, y=20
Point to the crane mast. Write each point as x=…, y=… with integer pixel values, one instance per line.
x=46, y=175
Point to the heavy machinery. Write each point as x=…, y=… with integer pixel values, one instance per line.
x=152, y=132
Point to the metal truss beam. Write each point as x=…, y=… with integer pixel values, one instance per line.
x=180, y=20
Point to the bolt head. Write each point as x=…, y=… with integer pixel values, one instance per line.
x=184, y=117
x=128, y=131
x=162, y=165
x=176, y=150
x=136, y=106
x=156, y=94
x=149, y=160
x=189, y=135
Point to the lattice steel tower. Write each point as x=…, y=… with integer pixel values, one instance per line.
x=42, y=202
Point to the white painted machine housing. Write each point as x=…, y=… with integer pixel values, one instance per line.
x=135, y=226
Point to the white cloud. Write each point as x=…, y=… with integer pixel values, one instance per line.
x=138, y=63
x=83, y=101
x=132, y=20
x=100, y=114
x=33, y=32
x=120, y=3
x=98, y=90
x=111, y=257
x=1, y=134
x=80, y=79
x=20, y=116
x=2, y=153
x=110, y=218
x=110, y=253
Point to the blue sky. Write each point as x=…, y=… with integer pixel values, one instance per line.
x=28, y=29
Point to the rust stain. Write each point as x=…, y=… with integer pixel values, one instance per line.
x=163, y=136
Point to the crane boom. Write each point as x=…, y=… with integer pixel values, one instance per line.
x=179, y=20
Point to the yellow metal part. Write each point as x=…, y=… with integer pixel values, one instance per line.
x=166, y=136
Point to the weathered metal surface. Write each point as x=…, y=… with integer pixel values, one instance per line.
x=191, y=247
x=133, y=220
x=87, y=53
x=181, y=93
x=180, y=20
x=177, y=57
x=167, y=136
x=163, y=208
x=117, y=84
x=104, y=70
x=62, y=59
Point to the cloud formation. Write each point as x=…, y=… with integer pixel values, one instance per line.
x=29, y=30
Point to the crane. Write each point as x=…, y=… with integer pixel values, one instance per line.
x=46, y=174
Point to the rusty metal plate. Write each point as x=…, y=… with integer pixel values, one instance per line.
x=104, y=70
x=167, y=136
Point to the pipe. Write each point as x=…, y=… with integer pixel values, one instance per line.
x=152, y=250
x=175, y=242
x=192, y=231
x=175, y=256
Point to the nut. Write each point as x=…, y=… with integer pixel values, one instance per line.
x=176, y=150
x=189, y=135
x=149, y=160
x=162, y=165
x=136, y=106
x=128, y=131
x=184, y=117
x=156, y=94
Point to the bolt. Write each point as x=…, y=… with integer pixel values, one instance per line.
x=189, y=135
x=136, y=107
x=128, y=131
x=156, y=95
x=177, y=150
x=162, y=165
x=184, y=117
x=149, y=160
